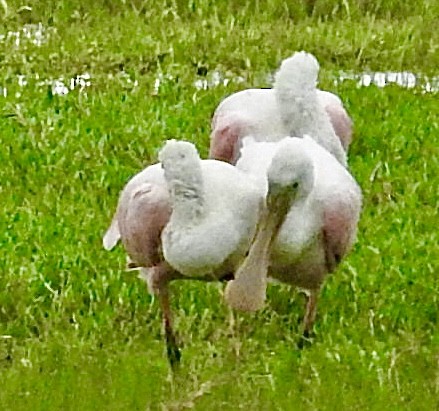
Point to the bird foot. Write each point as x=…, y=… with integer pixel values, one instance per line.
x=172, y=351
x=305, y=339
x=174, y=356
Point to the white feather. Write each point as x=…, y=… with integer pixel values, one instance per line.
x=214, y=220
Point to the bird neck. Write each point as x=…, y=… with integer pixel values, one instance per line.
x=303, y=114
x=187, y=197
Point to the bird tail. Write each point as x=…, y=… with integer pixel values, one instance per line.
x=112, y=236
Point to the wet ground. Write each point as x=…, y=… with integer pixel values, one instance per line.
x=36, y=35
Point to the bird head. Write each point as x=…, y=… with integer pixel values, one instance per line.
x=177, y=152
x=299, y=71
x=290, y=175
x=182, y=168
x=178, y=158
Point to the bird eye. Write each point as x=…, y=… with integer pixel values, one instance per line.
x=295, y=185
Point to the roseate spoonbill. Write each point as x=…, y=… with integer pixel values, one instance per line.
x=185, y=218
x=313, y=208
x=215, y=209
x=294, y=107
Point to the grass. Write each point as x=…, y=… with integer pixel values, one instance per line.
x=77, y=332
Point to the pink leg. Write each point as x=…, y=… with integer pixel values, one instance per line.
x=310, y=313
x=310, y=316
x=172, y=350
x=159, y=276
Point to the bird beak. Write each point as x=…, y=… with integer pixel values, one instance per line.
x=247, y=292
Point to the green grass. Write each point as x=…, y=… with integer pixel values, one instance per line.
x=84, y=334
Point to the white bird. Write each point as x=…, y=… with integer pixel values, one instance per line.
x=185, y=218
x=215, y=208
x=294, y=107
x=313, y=208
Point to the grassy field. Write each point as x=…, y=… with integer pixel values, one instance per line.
x=77, y=332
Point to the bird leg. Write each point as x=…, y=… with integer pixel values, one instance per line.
x=172, y=349
x=309, y=318
x=310, y=313
x=157, y=278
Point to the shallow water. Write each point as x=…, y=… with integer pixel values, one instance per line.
x=61, y=86
x=216, y=79
x=35, y=35
x=29, y=34
x=404, y=79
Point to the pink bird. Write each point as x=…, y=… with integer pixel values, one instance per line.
x=313, y=202
x=294, y=107
x=313, y=208
x=185, y=218
x=144, y=212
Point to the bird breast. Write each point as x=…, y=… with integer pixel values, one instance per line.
x=231, y=204
x=300, y=230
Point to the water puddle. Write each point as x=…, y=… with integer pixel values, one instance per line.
x=29, y=34
x=61, y=87
x=81, y=82
x=36, y=35
x=160, y=80
x=58, y=86
x=124, y=80
x=403, y=79
x=216, y=79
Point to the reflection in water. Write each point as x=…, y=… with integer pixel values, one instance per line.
x=21, y=80
x=59, y=88
x=161, y=80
